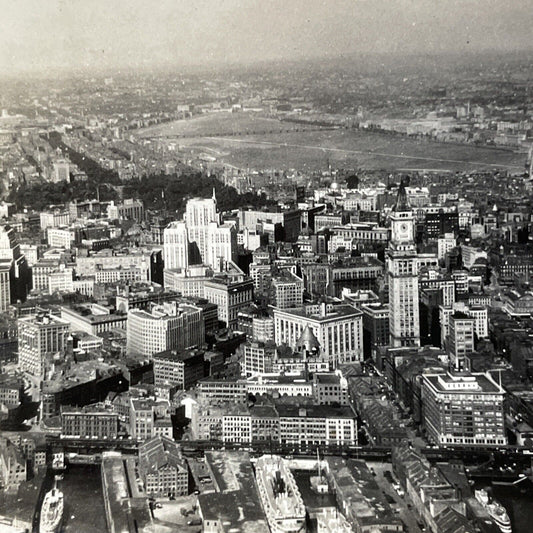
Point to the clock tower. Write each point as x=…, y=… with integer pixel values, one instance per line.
x=404, y=320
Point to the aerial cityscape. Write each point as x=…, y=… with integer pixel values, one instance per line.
x=265, y=266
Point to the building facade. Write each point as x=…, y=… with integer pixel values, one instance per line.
x=404, y=320
x=463, y=409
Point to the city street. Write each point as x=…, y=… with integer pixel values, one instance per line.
x=400, y=503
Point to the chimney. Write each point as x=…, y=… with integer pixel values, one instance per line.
x=323, y=309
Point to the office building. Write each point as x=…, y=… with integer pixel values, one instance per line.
x=176, y=246
x=229, y=296
x=376, y=331
x=258, y=358
x=463, y=409
x=40, y=337
x=93, y=319
x=287, y=290
x=54, y=219
x=13, y=259
x=199, y=213
x=445, y=243
x=129, y=209
x=404, y=322
x=88, y=423
x=179, y=369
x=61, y=171
x=170, y=326
x=221, y=245
x=338, y=328
x=460, y=340
x=262, y=328
x=5, y=288
x=221, y=391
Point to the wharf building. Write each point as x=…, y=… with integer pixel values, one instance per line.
x=233, y=504
x=402, y=266
x=163, y=468
x=464, y=409
x=126, y=504
x=359, y=497
x=438, y=503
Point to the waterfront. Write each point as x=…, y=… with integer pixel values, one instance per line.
x=517, y=500
x=84, y=503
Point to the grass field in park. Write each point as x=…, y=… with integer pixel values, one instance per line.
x=221, y=123
x=312, y=150
x=248, y=140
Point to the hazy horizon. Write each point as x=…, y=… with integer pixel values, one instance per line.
x=79, y=35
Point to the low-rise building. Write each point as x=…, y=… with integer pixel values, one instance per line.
x=163, y=469
x=90, y=422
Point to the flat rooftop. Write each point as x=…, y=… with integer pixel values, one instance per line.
x=467, y=383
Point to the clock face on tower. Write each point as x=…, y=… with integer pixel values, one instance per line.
x=403, y=231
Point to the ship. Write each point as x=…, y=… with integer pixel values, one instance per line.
x=280, y=496
x=51, y=511
x=495, y=510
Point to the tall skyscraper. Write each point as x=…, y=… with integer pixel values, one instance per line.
x=221, y=245
x=199, y=212
x=176, y=245
x=200, y=238
x=404, y=320
x=13, y=260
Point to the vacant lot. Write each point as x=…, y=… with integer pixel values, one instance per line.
x=312, y=150
x=221, y=123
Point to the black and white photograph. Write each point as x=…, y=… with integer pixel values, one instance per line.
x=265, y=266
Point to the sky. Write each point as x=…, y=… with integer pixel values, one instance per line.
x=36, y=35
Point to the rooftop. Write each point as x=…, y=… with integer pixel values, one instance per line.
x=465, y=383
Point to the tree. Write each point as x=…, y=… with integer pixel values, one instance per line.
x=352, y=182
